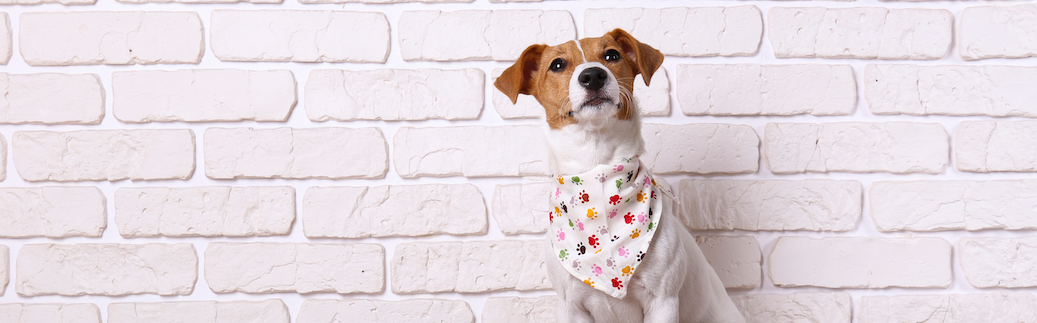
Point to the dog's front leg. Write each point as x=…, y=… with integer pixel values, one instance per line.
x=663, y=310
x=571, y=313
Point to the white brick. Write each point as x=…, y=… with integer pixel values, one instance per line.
x=52, y=211
x=998, y=31
x=204, y=211
x=294, y=267
x=469, y=266
x=754, y=89
x=954, y=308
x=197, y=1
x=51, y=98
x=385, y=1
x=999, y=262
x=110, y=37
x=334, y=153
x=203, y=95
x=701, y=148
x=995, y=146
x=433, y=35
x=652, y=101
x=796, y=307
x=268, y=311
x=954, y=205
x=379, y=311
x=104, y=155
x=299, y=36
x=3, y=158
x=999, y=91
x=64, y=313
x=5, y=265
x=871, y=33
x=861, y=262
x=394, y=94
x=106, y=269
x=472, y=151
x=683, y=31
x=736, y=259
x=779, y=205
x=520, y=309
x=396, y=210
x=6, y=37
x=895, y=147
x=521, y=208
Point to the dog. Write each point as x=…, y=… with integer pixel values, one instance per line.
x=608, y=209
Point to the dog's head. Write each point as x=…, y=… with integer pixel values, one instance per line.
x=586, y=82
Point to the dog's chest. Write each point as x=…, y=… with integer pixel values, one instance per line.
x=603, y=223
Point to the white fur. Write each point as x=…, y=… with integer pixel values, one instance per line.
x=674, y=283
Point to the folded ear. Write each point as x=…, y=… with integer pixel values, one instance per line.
x=646, y=59
x=517, y=79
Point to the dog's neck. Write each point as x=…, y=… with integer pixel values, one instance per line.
x=577, y=148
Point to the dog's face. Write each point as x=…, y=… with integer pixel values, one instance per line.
x=588, y=82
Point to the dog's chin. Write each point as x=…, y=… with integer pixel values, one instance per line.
x=596, y=112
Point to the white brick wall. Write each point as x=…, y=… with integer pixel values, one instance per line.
x=350, y=160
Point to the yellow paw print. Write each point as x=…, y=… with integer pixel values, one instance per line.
x=636, y=233
x=592, y=214
x=641, y=197
x=628, y=271
x=589, y=282
x=561, y=181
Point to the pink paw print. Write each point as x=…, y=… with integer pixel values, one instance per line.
x=612, y=213
x=561, y=235
x=623, y=251
x=579, y=224
x=641, y=218
x=558, y=192
x=618, y=168
x=596, y=270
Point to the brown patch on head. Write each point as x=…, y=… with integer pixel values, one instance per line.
x=545, y=72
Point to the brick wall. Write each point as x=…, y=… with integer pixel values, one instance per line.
x=349, y=160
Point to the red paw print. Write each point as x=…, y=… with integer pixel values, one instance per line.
x=593, y=241
x=618, y=284
x=629, y=218
x=614, y=200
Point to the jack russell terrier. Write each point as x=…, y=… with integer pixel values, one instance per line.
x=617, y=252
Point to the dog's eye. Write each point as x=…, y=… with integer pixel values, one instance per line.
x=612, y=55
x=557, y=65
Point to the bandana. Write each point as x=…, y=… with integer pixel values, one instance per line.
x=603, y=223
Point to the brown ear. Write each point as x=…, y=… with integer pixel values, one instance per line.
x=516, y=79
x=646, y=59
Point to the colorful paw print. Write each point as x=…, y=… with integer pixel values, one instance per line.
x=576, y=180
x=592, y=214
x=636, y=233
x=579, y=225
x=596, y=270
x=577, y=265
x=617, y=168
x=563, y=254
x=619, y=183
x=580, y=249
x=627, y=271
x=614, y=199
x=628, y=218
x=560, y=235
x=612, y=213
x=641, y=197
x=584, y=197
x=601, y=178
x=642, y=218
x=618, y=284
x=623, y=252
x=603, y=231
x=589, y=282
x=593, y=241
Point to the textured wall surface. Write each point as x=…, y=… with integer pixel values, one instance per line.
x=276, y=161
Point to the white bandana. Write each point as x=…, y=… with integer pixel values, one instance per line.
x=604, y=221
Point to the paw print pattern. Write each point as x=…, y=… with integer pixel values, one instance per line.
x=563, y=254
x=576, y=265
x=560, y=235
x=640, y=255
x=641, y=197
x=614, y=199
x=628, y=218
x=601, y=178
x=593, y=241
x=612, y=213
x=610, y=263
x=591, y=214
x=584, y=197
x=634, y=234
x=642, y=218
x=579, y=224
x=618, y=284
x=603, y=231
x=596, y=270
x=576, y=180
x=627, y=271
x=623, y=252
x=589, y=282
x=617, y=168
x=581, y=249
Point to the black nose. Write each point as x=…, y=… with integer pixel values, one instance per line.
x=593, y=78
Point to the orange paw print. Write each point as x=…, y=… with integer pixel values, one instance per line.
x=592, y=214
x=641, y=197
x=561, y=181
x=628, y=271
x=589, y=282
x=636, y=233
